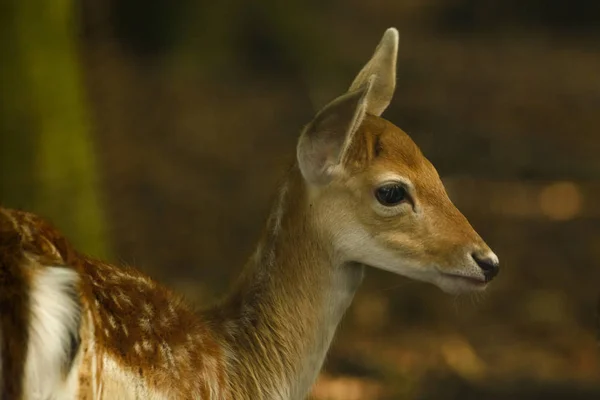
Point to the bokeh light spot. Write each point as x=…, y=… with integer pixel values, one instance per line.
x=561, y=201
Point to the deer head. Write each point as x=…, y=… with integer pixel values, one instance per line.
x=376, y=198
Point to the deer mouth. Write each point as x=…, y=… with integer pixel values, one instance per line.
x=471, y=280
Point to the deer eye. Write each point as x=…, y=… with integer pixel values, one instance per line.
x=391, y=194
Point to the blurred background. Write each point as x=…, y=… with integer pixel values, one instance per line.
x=154, y=132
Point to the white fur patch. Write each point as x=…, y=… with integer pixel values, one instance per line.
x=120, y=383
x=54, y=319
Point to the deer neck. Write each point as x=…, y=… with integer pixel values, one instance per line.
x=283, y=313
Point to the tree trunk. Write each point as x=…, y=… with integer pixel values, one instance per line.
x=47, y=153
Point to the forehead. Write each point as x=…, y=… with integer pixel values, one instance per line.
x=382, y=148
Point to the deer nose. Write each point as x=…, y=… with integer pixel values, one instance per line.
x=489, y=265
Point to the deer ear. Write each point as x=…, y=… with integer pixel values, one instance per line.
x=322, y=144
x=324, y=140
x=383, y=65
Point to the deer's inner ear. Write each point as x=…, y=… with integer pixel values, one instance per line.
x=324, y=141
x=323, y=144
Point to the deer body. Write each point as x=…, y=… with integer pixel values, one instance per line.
x=76, y=328
x=135, y=339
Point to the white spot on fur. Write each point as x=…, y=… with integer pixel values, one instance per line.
x=149, y=310
x=117, y=275
x=147, y=345
x=145, y=324
x=115, y=300
x=124, y=298
x=143, y=282
x=137, y=348
x=171, y=309
x=54, y=317
x=167, y=354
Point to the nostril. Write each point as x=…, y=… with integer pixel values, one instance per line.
x=488, y=265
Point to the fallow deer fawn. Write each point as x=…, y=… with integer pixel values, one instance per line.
x=360, y=194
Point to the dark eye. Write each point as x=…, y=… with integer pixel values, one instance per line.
x=391, y=194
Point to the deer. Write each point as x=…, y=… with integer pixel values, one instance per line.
x=359, y=194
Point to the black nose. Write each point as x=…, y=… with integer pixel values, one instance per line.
x=489, y=266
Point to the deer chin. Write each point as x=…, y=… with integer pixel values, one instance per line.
x=452, y=282
x=456, y=283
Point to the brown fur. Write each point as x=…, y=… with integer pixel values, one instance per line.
x=14, y=306
x=129, y=311
x=381, y=147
